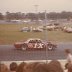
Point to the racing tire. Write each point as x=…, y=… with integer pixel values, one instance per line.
x=23, y=48
x=50, y=48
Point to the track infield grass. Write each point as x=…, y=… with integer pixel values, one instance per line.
x=10, y=33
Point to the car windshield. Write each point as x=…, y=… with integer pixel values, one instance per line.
x=38, y=41
x=35, y=41
x=32, y=41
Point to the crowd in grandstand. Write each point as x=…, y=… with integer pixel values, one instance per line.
x=52, y=66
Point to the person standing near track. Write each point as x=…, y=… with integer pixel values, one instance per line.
x=68, y=65
x=69, y=56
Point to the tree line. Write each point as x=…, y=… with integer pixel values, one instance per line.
x=35, y=16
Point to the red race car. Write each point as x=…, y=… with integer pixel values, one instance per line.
x=35, y=44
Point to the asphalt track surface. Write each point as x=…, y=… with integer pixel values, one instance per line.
x=9, y=53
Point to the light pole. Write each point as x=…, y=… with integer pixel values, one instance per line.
x=36, y=12
x=36, y=8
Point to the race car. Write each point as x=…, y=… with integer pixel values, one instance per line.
x=35, y=44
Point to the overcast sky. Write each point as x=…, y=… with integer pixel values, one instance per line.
x=29, y=5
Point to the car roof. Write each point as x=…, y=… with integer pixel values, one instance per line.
x=34, y=39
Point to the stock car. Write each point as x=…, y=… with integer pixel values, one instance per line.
x=25, y=29
x=35, y=44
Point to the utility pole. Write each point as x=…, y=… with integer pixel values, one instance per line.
x=46, y=36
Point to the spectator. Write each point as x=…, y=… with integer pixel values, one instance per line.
x=69, y=56
x=13, y=66
x=36, y=67
x=55, y=66
x=68, y=65
x=21, y=66
x=41, y=67
x=30, y=66
x=3, y=68
x=70, y=68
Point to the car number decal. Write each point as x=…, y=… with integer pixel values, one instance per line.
x=30, y=45
x=38, y=45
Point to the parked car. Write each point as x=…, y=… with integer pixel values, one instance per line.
x=35, y=44
x=37, y=30
x=25, y=29
x=67, y=29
